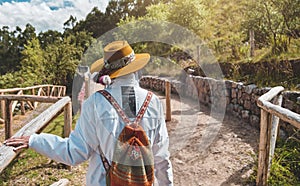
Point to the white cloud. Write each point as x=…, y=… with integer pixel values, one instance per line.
x=46, y=14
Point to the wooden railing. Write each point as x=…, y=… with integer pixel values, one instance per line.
x=40, y=90
x=271, y=113
x=38, y=124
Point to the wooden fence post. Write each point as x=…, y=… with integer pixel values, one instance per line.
x=87, y=85
x=2, y=106
x=68, y=119
x=14, y=103
x=60, y=90
x=252, y=44
x=22, y=108
x=52, y=91
x=64, y=91
x=68, y=122
x=48, y=90
x=269, y=130
x=264, y=149
x=33, y=103
x=168, y=100
x=274, y=131
x=8, y=119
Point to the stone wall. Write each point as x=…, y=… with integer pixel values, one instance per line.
x=270, y=73
x=240, y=100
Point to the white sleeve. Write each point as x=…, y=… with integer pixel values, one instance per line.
x=73, y=150
x=70, y=151
x=162, y=163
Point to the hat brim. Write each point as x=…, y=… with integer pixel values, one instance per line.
x=138, y=63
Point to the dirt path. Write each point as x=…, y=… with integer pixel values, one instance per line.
x=205, y=151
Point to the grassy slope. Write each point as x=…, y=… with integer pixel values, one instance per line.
x=31, y=168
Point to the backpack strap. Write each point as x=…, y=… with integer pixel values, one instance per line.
x=120, y=111
x=115, y=104
x=143, y=108
x=104, y=160
x=124, y=117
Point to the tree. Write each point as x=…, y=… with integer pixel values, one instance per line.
x=27, y=34
x=160, y=11
x=290, y=12
x=190, y=14
x=70, y=23
x=31, y=68
x=49, y=37
x=11, y=45
x=8, y=80
x=32, y=65
x=9, y=51
x=61, y=60
x=98, y=22
x=94, y=23
x=273, y=22
x=93, y=53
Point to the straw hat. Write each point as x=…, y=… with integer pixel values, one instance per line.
x=119, y=60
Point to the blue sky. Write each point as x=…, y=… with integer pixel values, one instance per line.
x=45, y=14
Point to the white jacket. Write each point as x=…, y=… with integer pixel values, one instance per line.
x=99, y=127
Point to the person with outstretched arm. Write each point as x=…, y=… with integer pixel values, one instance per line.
x=99, y=126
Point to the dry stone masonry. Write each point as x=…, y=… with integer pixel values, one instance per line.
x=240, y=99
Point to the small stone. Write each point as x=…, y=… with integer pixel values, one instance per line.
x=234, y=85
x=247, y=105
x=178, y=161
x=245, y=114
x=249, y=88
x=234, y=101
x=228, y=84
x=240, y=93
x=240, y=109
x=214, y=171
x=233, y=93
x=235, y=107
x=254, y=120
x=246, y=96
x=240, y=86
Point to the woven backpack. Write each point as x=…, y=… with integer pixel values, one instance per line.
x=132, y=163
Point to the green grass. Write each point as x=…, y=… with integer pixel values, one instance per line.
x=277, y=74
x=31, y=168
x=285, y=169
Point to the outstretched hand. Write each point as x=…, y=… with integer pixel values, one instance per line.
x=18, y=142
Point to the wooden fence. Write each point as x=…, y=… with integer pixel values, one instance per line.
x=9, y=98
x=40, y=90
x=271, y=113
x=39, y=123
